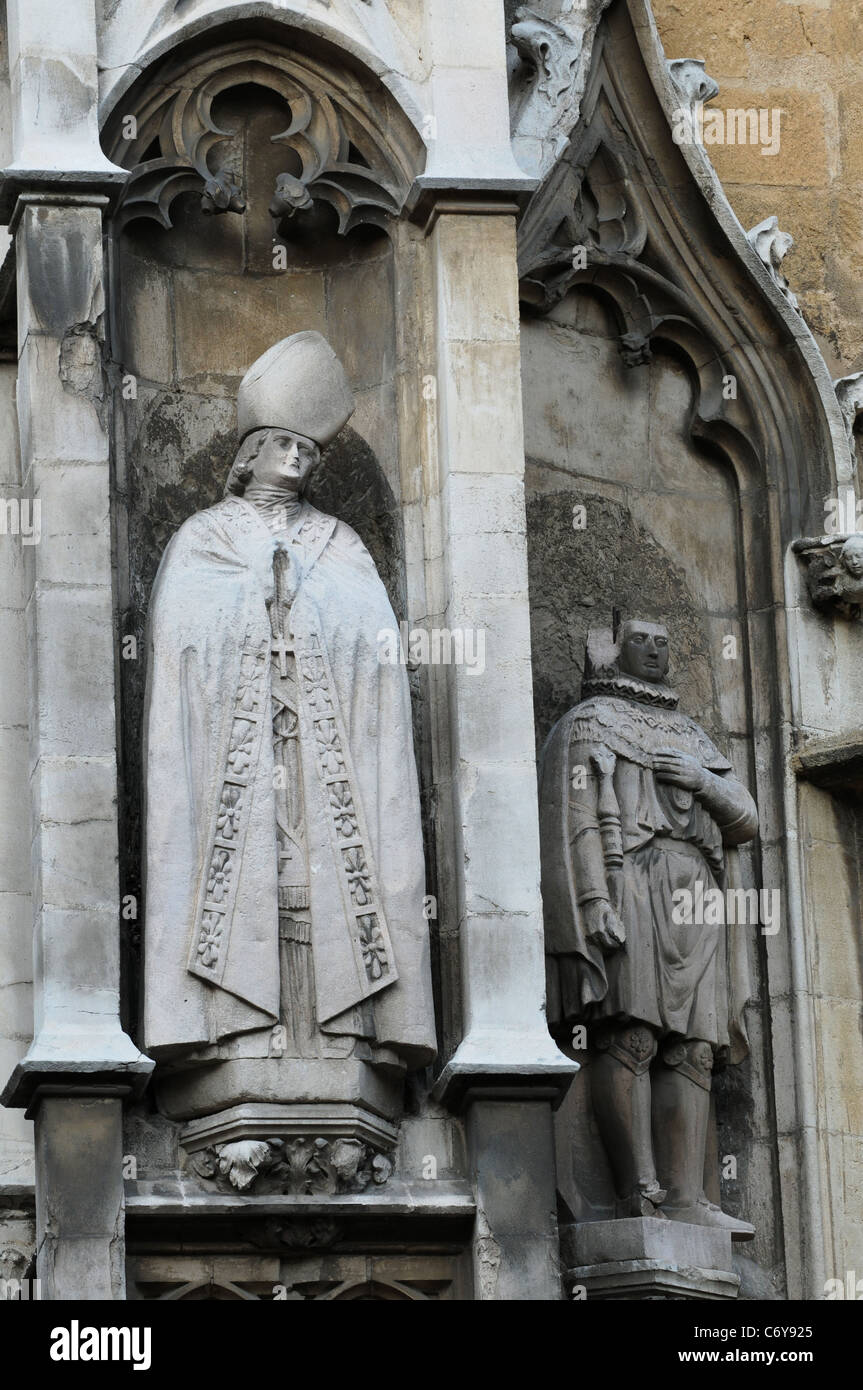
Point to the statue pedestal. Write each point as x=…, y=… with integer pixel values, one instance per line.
x=238, y=1107
x=203, y=1091
x=646, y=1257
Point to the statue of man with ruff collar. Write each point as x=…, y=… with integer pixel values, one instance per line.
x=637, y=810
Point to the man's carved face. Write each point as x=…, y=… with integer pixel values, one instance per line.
x=852, y=556
x=644, y=650
x=284, y=459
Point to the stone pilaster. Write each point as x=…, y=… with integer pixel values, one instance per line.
x=54, y=85
x=80, y=1063
x=506, y=1071
x=483, y=577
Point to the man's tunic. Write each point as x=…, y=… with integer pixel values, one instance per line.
x=685, y=979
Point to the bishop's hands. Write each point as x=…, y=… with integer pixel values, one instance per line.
x=259, y=553
x=680, y=769
x=602, y=926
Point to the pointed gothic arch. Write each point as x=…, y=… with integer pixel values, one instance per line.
x=679, y=275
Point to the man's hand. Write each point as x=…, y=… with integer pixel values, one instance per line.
x=680, y=769
x=603, y=927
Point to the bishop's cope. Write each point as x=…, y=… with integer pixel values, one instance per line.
x=284, y=862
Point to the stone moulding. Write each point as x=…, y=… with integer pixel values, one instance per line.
x=836, y=765
x=341, y=147
x=643, y=1257
x=433, y=1216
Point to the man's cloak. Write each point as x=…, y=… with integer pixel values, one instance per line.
x=578, y=970
x=211, y=906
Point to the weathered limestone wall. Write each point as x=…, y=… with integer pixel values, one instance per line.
x=825, y=656
x=807, y=60
x=17, y=1227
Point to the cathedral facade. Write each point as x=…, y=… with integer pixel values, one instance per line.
x=431, y=602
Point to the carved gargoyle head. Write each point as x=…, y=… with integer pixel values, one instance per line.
x=290, y=197
x=222, y=193
x=834, y=572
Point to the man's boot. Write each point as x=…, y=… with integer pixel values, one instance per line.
x=681, y=1109
x=620, y=1088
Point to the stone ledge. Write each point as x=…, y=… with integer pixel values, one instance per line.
x=432, y=196
x=492, y=1067
x=646, y=1257
x=176, y=1198
x=172, y=1215
x=57, y=183
x=653, y=1279
x=834, y=764
x=253, y=1120
x=34, y=1078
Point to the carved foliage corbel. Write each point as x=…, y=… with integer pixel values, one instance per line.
x=695, y=87
x=554, y=42
x=302, y=1165
x=548, y=48
x=849, y=393
x=834, y=572
x=772, y=246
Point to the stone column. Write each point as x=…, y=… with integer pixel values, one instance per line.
x=506, y=1071
x=80, y=1063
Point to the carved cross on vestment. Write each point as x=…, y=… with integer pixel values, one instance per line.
x=282, y=647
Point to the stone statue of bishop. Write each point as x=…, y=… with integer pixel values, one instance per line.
x=284, y=861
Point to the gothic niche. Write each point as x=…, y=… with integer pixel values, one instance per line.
x=261, y=187
x=627, y=521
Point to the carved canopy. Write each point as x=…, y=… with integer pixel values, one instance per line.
x=344, y=143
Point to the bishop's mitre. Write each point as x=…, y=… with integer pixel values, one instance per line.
x=299, y=385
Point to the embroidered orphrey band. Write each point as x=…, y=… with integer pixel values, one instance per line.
x=348, y=832
x=218, y=887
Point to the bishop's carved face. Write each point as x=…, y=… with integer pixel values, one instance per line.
x=644, y=650
x=281, y=459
